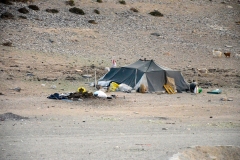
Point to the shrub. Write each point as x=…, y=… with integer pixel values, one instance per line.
x=76, y=11
x=96, y=11
x=7, y=15
x=133, y=9
x=122, y=2
x=92, y=22
x=52, y=10
x=156, y=13
x=33, y=7
x=99, y=1
x=6, y=2
x=23, y=10
x=24, y=1
x=70, y=3
x=23, y=17
x=9, y=44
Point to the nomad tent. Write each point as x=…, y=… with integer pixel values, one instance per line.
x=145, y=72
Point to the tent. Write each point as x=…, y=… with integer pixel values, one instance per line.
x=145, y=72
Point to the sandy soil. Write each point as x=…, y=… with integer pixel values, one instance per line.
x=180, y=126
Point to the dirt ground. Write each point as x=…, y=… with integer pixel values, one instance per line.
x=132, y=126
x=48, y=57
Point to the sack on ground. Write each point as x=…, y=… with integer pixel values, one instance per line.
x=124, y=88
x=113, y=86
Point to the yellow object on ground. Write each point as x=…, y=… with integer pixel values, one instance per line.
x=113, y=86
x=169, y=89
x=82, y=89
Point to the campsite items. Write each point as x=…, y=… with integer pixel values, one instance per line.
x=169, y=89
x=57, y=96
x=196, y=89
x=113, y=86
x=82, y=89
x=124, y=88
x=100, y=94
x=76, y=96
x=215, y=91
x=226, y=99
x=193, y=85
x=18, y=89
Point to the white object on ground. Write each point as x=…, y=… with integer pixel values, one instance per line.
x=100, y=94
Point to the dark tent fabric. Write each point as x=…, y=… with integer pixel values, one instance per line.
x=145, y=72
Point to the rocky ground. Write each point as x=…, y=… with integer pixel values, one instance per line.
x=43, y=53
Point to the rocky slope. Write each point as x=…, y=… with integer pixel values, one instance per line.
x=183, y=38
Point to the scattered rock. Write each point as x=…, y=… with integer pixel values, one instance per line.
x=52, y=10
x=76, y=11
x=155, y=34
x=23, y=10
x=34, y=7
x=156, y=13
x=7, y=15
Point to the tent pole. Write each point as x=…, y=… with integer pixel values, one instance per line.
x=135, y=78
x=95, y=79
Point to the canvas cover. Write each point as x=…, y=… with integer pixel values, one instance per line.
x=145, y=72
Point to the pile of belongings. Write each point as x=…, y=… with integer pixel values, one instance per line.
x=80, y=94
x=113, y=86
